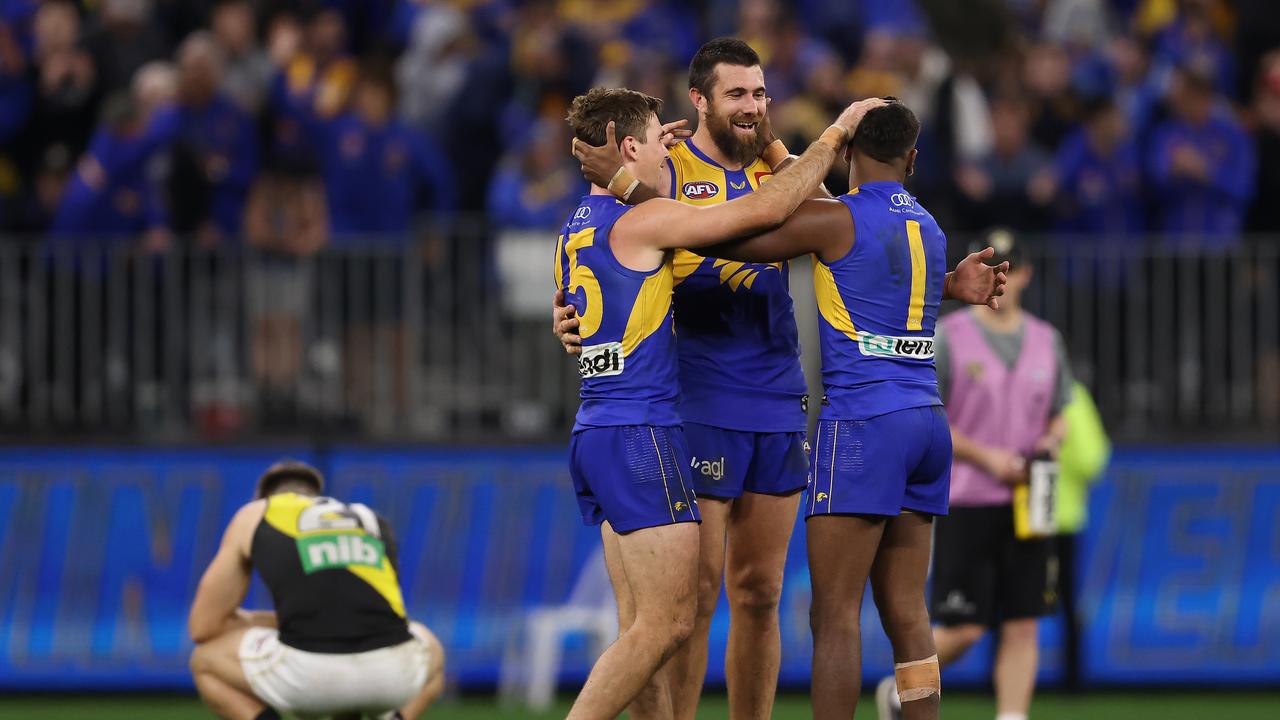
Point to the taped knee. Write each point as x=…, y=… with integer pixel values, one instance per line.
x=918, y=679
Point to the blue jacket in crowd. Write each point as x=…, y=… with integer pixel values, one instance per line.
x=1215, y=207
x=110, y=194
x=520, y=202
x=1104, y=192
x=223, y=135
x=374, y=177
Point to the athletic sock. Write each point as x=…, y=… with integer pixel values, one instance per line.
x=1011, y=716
x=894, y=701
x=268, y=714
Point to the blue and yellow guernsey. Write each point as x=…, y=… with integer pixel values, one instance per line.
x=737, y=342
x=628, y=360
x=878, y=306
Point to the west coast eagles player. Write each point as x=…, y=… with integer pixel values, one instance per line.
x=614, y=263
x=338, y=643
x=882, y=452
x=742, y=389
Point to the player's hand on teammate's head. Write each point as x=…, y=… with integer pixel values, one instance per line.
x=599, y=162
x=564, y=323
x=675, y=132
x=977, y=283
x=857, y=110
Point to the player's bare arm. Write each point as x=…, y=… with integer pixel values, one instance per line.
x=820, y=226
x=825, y=228
x=216, y=608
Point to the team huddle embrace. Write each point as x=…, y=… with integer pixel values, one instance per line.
x=688, y=447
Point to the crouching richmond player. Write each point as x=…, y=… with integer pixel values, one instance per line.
x=627, y=455
x=882, y=455
x=338, y=643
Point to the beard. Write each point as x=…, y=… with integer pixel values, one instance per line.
x=742, y=151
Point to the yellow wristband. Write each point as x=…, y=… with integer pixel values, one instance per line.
x=621, y=182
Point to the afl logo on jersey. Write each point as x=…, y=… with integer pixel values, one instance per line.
x=700, y=190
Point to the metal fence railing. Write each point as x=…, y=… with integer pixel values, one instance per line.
x=1175, y=339
x=387, y=341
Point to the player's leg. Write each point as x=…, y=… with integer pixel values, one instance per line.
x=897, y=581
x=902, y=568
x=718, y=466
x=841, y=551
x=759, y=532
x=654, y=699
x=687, y=669
x=661, y=568
x=433, y=685
x=220, y=680
x=856, y=481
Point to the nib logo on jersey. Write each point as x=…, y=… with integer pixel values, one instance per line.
x=601, y=360
x=326, y=551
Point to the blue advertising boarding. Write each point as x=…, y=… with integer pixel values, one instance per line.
x=101, y=550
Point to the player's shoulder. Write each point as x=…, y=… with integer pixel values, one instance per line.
x=692, y=163
x=680, y=151
x=251, y=512
x=244, y=524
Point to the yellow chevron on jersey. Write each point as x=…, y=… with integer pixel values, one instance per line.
x=734, y=320
x=285, y=513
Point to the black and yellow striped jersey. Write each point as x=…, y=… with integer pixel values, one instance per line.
x=331, y=570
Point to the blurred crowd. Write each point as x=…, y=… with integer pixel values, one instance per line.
x=289, y=125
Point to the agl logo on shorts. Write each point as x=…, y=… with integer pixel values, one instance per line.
x=713, y=469
x=700, y=190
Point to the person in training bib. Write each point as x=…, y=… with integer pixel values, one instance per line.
x=338, y=642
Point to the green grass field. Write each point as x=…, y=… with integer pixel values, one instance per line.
x=957, y=706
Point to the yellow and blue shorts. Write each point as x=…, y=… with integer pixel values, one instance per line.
x=634, y=476
x=882, y=465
